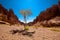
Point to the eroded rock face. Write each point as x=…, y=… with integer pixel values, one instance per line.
x=55, y=21
x=52, y=22
x=8, y=16
x=3, y=13
x=12, y=18
x=48, y=17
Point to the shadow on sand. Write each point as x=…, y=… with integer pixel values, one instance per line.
x=23, y=32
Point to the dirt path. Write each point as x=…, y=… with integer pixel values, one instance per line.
x=40, y=34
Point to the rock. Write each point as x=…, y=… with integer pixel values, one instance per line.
x=8, y=16
x=50, y=14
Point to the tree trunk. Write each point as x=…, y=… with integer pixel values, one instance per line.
x=25, y=21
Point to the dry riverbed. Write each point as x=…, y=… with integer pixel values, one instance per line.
x=40, y=33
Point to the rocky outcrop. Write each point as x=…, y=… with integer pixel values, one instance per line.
x=12, y=18
x=52, y=22
x=3, y=13
x=8, y=16
x=50, y=14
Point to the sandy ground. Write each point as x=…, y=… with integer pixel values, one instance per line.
x=40, y=34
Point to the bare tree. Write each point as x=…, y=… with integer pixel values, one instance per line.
x=25, y=13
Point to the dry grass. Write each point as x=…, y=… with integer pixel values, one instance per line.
x=55, y=29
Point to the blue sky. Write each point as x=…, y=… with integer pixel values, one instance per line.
x=36, y=6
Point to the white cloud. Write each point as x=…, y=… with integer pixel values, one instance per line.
x=29, y=20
